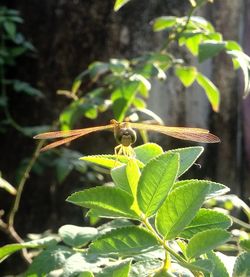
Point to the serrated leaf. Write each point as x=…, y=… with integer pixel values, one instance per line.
x=119, y=4
x=188, y=156
x=219, y=267
x=49, y=260
x=211, y=91
x=77, y=236
x=147, y=151
x=204, y=220
x=156, y=181
x=133, y=175
x=120, y=179
x=204, y=265
x=81, y=263
x=186, y=74
x=124, y=242
x=9, y=249
x=145, y=267
x=205, y=241
x=120, y=268
x=164, y=22
x=112, y=201
x=209, y=49
x=179, y=209
x=241, y=266
x=215, y=189
x=109, y=161
x=245, y=244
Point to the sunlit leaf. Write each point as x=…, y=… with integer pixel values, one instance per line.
x=156, y=181
x=186, y=74
x=205, y=241
x=119, y=4
x=164, y=22
x=211, y=91
x=124, y=241
x=180, y=208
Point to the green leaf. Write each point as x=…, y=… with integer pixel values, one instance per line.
x=119, y=4
x=192, y=43
x=63, y=169
x=123, y=97
x=241, y=266
x=147, y=151
x=188, y=156
x=49, y=260
x=9, y=249
x=77, y=236
x=245, y=244
x=204, y=265
x=204, y=220
x=124, y=242
x=156, y=181
x=120, y=179
x=209, y=49
x=211, y=91
x=120, y=268
x=26, y=88
x=186, y=74
x=219, y=267
x=180, y=208
x=109, y=161
x=215, y=189
x=82, y=264
x=233, y=45
x=112, y=201
x=205, y=241
x=164, y=22
x=243, y=61
x=10, y=28
x=133, y=174
x=145, y=267
x=139, y=103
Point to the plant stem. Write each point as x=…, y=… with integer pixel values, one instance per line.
x=167, y=261
x=22, y=183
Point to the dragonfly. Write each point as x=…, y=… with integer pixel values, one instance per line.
x=125, y=134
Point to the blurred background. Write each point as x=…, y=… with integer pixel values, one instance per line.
x=57, y=40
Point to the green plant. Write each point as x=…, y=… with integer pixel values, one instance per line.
x=123, y=84
x=159, y=227
x=12, y=46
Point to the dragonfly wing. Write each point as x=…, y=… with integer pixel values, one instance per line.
x=72, y=137
x=193, y=134
x=59, y=142
x=70, y=133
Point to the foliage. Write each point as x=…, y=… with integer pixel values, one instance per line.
x=158, y=226
x=123, y=84
x=13, y=45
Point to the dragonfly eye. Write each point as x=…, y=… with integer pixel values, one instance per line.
x=125, y=136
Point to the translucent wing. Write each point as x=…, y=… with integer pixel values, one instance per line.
x=193, y=134
x=69, y=135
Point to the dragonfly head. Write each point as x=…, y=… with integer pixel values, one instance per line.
x=125, y=136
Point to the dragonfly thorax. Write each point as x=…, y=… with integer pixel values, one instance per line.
x=125, y=136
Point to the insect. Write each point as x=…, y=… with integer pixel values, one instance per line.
x=126, y=136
